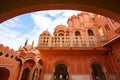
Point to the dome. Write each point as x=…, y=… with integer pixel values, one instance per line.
x=45, y=33
x=60, y=28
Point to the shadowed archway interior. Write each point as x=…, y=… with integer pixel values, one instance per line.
x=4, y=74
x=61, y=72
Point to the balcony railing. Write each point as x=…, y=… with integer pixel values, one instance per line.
x=67, y=41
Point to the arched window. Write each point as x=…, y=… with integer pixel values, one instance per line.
x=101, y=32
x=35, y=74
x=90, y=33
x=25, y=74
x=77, y=33
x=4, y=73
x=97, y=72
x=61, y=34
x=107, y=27
x=61, y=72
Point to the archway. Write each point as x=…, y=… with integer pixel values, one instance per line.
x=4, y=73
x=61, y=72
x=25, y=74
x=97, y=72
x=35, y=74
x=100, y=7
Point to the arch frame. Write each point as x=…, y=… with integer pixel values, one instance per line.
x=26, y=9
x=10, y=71
x=97, y=61
x=61, y=62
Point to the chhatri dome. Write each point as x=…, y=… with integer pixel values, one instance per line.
x=45, y=33
x=60, y=30
x=60, y=27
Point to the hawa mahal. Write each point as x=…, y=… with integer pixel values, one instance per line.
x=87, y=49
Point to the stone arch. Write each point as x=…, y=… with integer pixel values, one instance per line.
x=20, y=59
x=4, y=73
x=97, y=72
x=35, y=75
x=61, y=62
x=97, y=61
x=61, y=72
x=29, y=63
x=25, y=74
x=30, y=60
x=27, y=9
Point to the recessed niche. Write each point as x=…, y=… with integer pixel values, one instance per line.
x=118, y=60
x=1, y=53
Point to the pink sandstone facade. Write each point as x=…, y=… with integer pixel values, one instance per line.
x=87, y=49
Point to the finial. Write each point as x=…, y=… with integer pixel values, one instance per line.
x=20, y=47
x=32, y=44
x=26, y=42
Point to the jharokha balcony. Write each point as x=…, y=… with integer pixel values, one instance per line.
x=69, y=41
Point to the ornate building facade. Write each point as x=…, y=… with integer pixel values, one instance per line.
x=87, y=49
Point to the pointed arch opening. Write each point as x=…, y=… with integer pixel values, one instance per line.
x=61, y=72
x=97, y=72
x=35, y=74
x=4, y=73
x=25, y=74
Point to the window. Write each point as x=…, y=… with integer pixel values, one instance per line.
x=107, y=27
x=90, y=33
x=77, y=33
x=61, y=34
x=101, y=32
x=35, y=74
x=7, y=55
x=97, y=72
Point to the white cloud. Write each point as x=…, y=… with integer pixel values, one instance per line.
x=9, y=37
x=44, y=22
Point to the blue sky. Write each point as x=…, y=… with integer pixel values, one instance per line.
x=15, y=31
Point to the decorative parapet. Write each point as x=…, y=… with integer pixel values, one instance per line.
x=67, y=41
x=7, y=52
x=29, y=52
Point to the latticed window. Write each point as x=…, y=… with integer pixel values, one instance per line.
x=107, y=27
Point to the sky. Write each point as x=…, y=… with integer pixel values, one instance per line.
x=15, y=31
